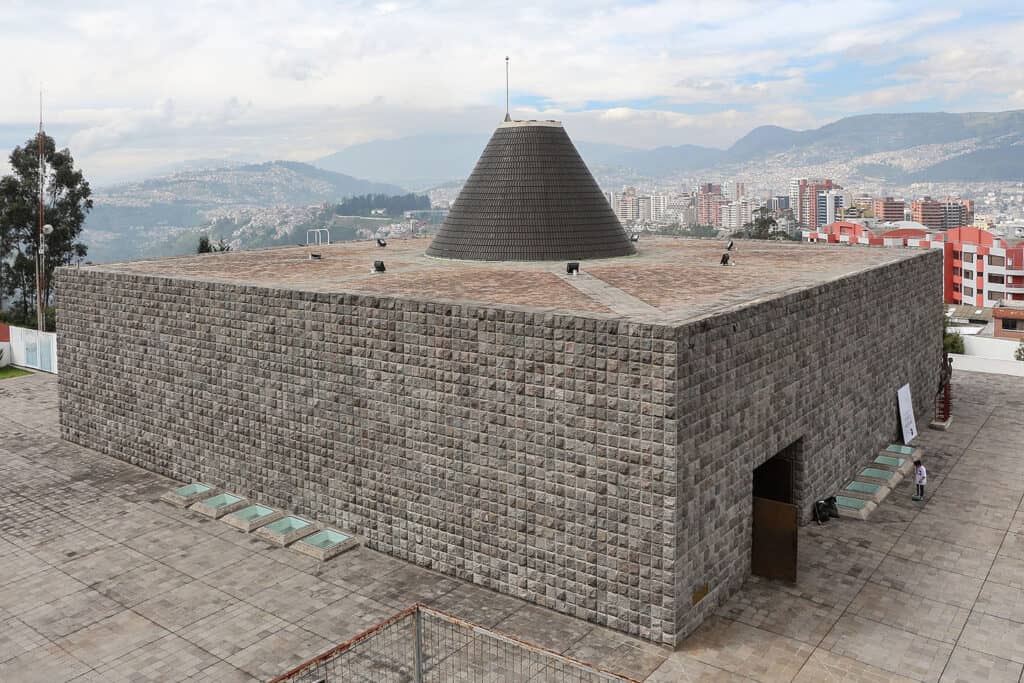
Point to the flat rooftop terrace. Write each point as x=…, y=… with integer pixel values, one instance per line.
x=101, y=581
x=670, y=280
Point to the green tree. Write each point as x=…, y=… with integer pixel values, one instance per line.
x=762, y=227
x=66, y=201
x=1019, y=352
x=952, y=342
x=206, y=246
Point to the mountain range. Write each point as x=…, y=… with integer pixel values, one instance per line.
x=137, y=219
x=897, y=148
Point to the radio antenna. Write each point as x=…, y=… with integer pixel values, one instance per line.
x=507, y=116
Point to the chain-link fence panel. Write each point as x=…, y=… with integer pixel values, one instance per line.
x=422, y=645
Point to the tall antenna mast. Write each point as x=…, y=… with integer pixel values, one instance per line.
x=41, y=249
x=507, y=116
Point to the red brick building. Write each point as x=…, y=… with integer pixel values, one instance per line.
x=889, y=210
x=943, y=214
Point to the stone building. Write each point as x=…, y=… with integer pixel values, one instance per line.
x=592, y=443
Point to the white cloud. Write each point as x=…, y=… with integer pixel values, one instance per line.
x=153, y=82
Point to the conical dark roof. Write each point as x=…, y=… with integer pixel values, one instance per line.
x=530, y=198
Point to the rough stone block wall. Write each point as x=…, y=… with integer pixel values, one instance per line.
x=527, y=452
x=822, y=366
x=597, y=467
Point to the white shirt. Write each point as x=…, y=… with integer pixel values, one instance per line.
x=920, y=475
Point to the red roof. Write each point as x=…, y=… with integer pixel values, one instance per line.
x=906, y=233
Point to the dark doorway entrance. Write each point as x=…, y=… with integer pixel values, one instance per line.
x=773, y=551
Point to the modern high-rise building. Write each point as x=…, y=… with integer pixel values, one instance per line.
x=944, y=214
x=709, y=204
x=808, y=191
x=626, y=206
x=738, y=213
x=652, y=208
x=889, y=210
x=794, y=196
x=828, y=207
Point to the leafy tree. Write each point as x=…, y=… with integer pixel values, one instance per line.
x=952, y=342
x=763, y=227
x=365, y=205
x=206, y=246
x=1019, y=352
x=66, y=201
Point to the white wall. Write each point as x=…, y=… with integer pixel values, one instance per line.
x=990, y=347
x=992, y=365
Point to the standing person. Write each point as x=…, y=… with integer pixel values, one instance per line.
x=920, y=478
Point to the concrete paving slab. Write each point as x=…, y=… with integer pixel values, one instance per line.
x=911, y=571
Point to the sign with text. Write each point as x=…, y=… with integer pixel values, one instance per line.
x=907, y=414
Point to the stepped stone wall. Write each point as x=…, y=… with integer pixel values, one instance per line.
x=592, y=465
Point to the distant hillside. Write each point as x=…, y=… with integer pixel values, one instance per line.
x=125, y=216
x=918, y=147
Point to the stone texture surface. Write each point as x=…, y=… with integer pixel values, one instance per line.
x=598, y=466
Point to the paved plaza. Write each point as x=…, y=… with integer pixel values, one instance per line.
x=101, y=581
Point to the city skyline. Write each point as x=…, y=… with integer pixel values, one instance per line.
x=134, y=89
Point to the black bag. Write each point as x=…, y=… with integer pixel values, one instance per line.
x=821, y=511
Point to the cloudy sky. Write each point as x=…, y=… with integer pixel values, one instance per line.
x=135, y=86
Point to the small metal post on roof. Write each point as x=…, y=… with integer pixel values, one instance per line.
x=418, y=650
x=508, y=116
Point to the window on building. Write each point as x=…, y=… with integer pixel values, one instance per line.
x=997, y=279
x=958, y=271
x=1011, y=325
x=995, y=296
x=997, y=260
x=968, y=291
x=956, y=254
x=968, y=274
x=968, y=257
x=956, y=287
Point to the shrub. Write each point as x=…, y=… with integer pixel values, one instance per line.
x=1019, y=353
x=952, y=342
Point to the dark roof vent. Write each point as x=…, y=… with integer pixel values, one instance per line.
x=530, y=198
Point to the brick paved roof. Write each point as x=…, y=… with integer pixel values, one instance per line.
x=669, y=279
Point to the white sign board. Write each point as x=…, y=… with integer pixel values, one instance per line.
x=907, y=414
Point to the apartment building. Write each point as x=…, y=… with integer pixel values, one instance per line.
x=979, y=269
x=942, y=214
x=889, y=210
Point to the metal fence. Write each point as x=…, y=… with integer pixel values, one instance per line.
x=422, y=645
x=33, y=349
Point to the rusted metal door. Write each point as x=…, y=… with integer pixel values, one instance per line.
x=773, y=547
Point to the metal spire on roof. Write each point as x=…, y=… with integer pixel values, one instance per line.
x=508, y=117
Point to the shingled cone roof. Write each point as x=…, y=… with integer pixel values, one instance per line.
x=530, y=198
